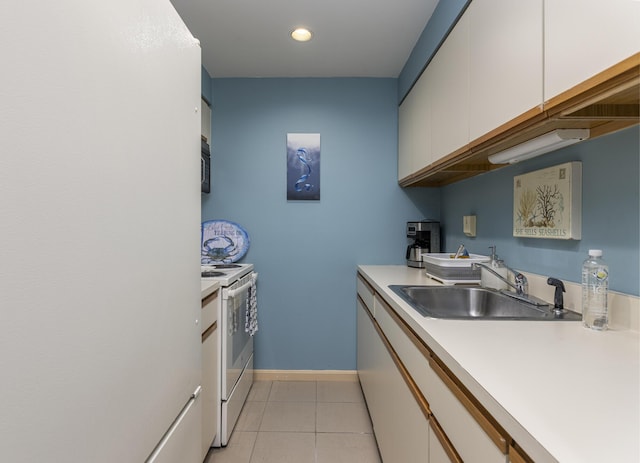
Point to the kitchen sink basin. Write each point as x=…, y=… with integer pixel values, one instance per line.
x=474, y=303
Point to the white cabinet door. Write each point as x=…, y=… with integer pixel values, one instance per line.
x=210, y=396
x=505, y=71
x=400, y=428
x=182, y=440
x=368, y=350
x=584, y=37
x=414, y=128
x=449, y=91
x=437, y=451
x=462, y=429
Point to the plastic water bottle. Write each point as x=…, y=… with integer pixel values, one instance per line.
x=595, y=287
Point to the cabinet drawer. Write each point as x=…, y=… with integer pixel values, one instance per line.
x=413, y=355
x=473, y=434
x=366, y=292
x=209, y=313
x=400, y=422
x=440, y=448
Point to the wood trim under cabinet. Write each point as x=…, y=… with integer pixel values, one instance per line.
x=604, y=103
x=406, y=376
x=607, y=83
x=209, y=331
x=448, y=447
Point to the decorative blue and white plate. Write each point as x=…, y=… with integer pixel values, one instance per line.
x=223, y=241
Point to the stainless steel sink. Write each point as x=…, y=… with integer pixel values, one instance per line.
x=474, y=302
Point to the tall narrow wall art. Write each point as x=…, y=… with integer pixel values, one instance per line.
x=303, y=166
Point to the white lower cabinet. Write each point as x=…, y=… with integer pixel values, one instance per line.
x=400, y=427
x=419, y=411
x=440, y=448
x=463, y=429
x=210, y=372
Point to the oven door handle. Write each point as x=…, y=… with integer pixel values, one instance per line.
x=231, y=293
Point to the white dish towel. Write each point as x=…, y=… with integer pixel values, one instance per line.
x=251, y=319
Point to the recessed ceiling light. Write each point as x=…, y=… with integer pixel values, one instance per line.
x=301, y=35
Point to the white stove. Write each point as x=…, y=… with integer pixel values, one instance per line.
x=226, y=274
x=235, y=345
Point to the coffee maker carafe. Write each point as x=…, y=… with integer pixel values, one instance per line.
x=423, y=237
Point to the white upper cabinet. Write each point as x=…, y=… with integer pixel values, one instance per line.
x=449, y=92
x=414, y=129
x=503, y=75
x=505, y=62
x=585, y=37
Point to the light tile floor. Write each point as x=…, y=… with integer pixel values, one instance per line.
x=301, y=422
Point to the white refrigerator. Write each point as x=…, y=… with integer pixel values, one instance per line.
x=99, y=233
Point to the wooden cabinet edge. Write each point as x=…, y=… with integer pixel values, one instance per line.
x=407, y=330
x=495, y=432
x=516, y=455
x=209, y=331
x=606, y=80
x=621, y=79
x=406, y=376
x=366, y=283
x=487, y=424
x=448, y=447
x=210, y=297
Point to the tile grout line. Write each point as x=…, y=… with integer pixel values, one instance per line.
x=270, y=399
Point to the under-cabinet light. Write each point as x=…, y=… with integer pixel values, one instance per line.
x=548, y=142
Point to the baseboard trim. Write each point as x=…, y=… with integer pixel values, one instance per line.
x=305, y=375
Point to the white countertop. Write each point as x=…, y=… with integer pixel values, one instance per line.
x=563, y=392
x=208, y=286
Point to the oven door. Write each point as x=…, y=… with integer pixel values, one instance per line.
x=237, y=345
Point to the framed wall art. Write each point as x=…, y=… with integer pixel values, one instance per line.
x=303, y=166
x=547, y=203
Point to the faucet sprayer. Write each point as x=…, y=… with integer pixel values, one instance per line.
x=558, y=299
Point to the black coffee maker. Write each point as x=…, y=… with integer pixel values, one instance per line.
x=424, y=237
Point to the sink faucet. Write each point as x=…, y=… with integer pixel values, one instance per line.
x=521, y=284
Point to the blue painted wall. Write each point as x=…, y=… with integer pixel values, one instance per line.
x=435, y=32
x=206, y=85
x=610, y=213
x=306, y=252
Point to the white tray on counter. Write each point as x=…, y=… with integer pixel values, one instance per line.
x=443, y=259
x=443, y=268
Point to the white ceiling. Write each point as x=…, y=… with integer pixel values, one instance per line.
x=352, y=38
